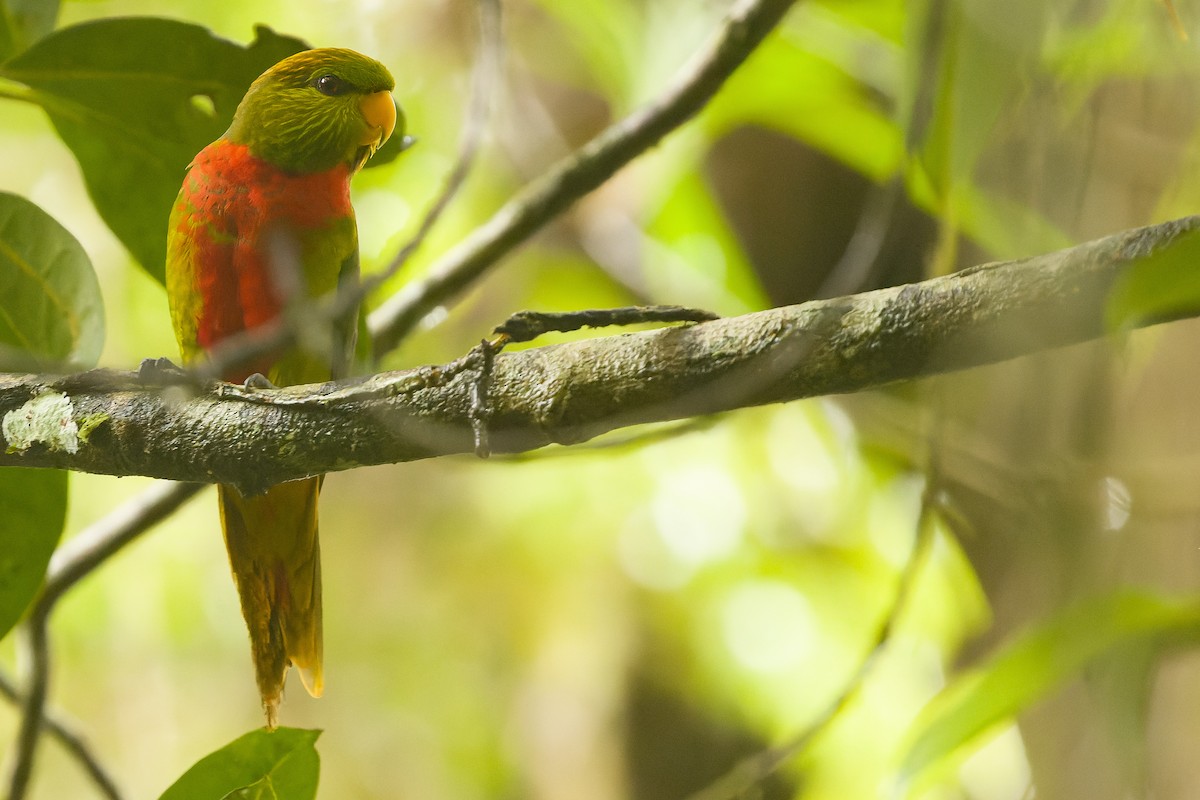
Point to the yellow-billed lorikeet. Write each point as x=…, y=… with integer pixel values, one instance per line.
x=264, y=219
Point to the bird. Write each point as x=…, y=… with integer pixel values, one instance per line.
x=263, y=224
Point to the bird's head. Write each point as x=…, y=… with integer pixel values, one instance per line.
x=317, y=109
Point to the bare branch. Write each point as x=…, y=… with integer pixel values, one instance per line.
x=755, y=769
x=752, y=771
x=34, y=643
x=484, y=79
x=97, y=543
x=570, y=179
x=570, y=393
x=69, y=738
x=84, y=553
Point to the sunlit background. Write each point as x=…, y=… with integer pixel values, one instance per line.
x=632, y=618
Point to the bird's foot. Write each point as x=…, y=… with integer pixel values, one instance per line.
x=258, y=381
x=162, y=371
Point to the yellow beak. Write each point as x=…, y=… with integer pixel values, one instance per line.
x=379, y=111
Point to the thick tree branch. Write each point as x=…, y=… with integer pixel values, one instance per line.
x=110, y=423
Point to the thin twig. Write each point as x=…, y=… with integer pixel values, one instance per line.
x=746, y=26
x=71, y=562
x=33, y=643
x=97, y=543
x=1176, y=22
x=753, y=770
x=69, y=738
x=484, y=80
x=859, y=264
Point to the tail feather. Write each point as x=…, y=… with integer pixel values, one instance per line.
x=276, y=560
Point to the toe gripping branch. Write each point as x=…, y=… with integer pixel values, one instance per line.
x=525, y=326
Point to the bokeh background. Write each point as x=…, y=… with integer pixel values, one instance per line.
x=630, y=618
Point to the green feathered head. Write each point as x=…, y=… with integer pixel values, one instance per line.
x=317, y=109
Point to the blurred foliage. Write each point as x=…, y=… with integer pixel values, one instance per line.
x=51, y=313
x=1034, y=664
x=1159, y=286
x=35, y=506
x=135, y=118
x=634, y=617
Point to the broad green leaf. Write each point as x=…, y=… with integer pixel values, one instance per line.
x=1033, y=665
x=35, y=506
x=50, y=306
x=262, y=764
x=1162, y=285
x=135, y=99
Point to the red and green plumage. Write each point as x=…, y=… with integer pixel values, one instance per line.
x=229, y=208
x=263, y=222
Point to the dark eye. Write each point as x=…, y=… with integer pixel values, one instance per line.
x=331, y=85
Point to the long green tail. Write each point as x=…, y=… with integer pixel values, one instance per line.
x=276, y=560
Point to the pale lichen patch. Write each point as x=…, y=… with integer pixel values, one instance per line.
x=48, y=419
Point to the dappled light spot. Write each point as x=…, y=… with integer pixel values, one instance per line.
x=998, y=770
x=805, y=462
x=699, y=512
x=768, y=625
x=892, y=517
x=1117, y=503
x=645, y=558
x=204, y=104
x=381, y=213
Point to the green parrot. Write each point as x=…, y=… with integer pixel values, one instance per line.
x=264, y=219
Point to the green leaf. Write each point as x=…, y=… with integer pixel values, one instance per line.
x=50, y=305
x=135, y=99
x=262, y=764
x=35, y=507
x=1161, y=285
x=1033, y=665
